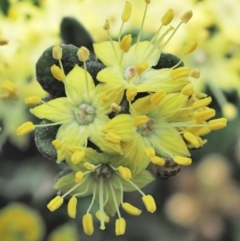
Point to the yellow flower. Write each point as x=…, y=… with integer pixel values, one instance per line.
x=106, y=178
x=19, y=222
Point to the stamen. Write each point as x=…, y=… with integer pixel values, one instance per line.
x=140, y=68
x=195, y=73
x=205, y=114
x=115, y=107
x=140, y=120
x=186, y=16
x=33, y=100
x=131, y=209
x=120, y=226
x=3, y=42
x=57, y=73
x=72, y=207
x=167, y=17
x=87, y=223
x=126, y=42
x=25, y=128
x=149, y=151
x=55, y=203
x=125, y=16
x=57, y=52
x=191, y=139
x=187, y=90
x=115, y=201
x=104, y=97
x=183, y=161
x=203, y=131
x=149, y=203
x=102, y=226
x=190, y=47
x=157, y=160
x=9, y=89
x=90, y=166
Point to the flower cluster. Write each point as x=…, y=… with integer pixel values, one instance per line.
x=138, y=109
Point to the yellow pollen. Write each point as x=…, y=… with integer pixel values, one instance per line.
x=205, y=114
x=183, y=161
x=195, y=73
x=190, y=47
x=157, y=97
x=105, y=216
x=25, y=128
x=192, y=139
x=113, y=138
x=157, y=160
x=104, y=97
x=115, y=107
x=89, y=166
x=180, y=72
x=79, y=176
x=149, y=151
x=77, y=156
x=140, y=120
x=72, y=207
x=149, y=203
x=106, y=25
x=87, y=222
x=141, y=67
x=131, y=93
x=129, y=208
x=186, y=16
x=57, y=144
x=217, y=123
x=126, y=42
x=167, y=17
x=33, y=100
x=55, y=203
x=83, y=54
x=187, y=90
x=57, y=73
x=120, y=226
x=202, y=103
x=147, y=1
x=125, y=173
x=126, y=12
x=57, y=52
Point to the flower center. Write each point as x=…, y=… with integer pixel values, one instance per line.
x=103, y=171
x=85, y=114
x=146, y=129
x=129, y=73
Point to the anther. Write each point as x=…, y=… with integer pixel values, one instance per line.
x=203, y=131
x=129, y=208
x=131, y=93
x=125, y=173
x=106, y=25
x=195, y=73
x=183, y=161
x=187, y=90
x=33, y=100
x=105, y=216
x=205, y=114
x=57, y=144
x=126, y=12
x=120, y=226
x=217, y=123
x=79, y=176
x=57, y=52
x=57, y=73
x=157, y=160
x=3, y=42
x=140, y=68
x=77, y=156
x=186, y=16
x=202, y=103
x=25, y=128
x=157, y=97
x=104, y=97
x=167, y=17
x=87, y=222
x=147, y=1
x=140, y=120
x=83, y=54
x=149, y=203
x=55, y=203
x=191, y=139
x=126, y=42
x=190, y=47
x=72, y=207
x=180, y=72
x=115, y=107
x=149, y=151
x=89, y=166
